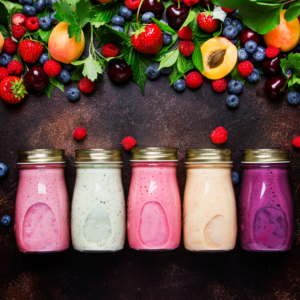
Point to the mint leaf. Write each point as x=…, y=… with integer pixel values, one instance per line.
x=84, y=15
x=175, y=75
x=77, y=75
x=232, y=4
x=165, y=49
x=190, y=18
x=170, y=59
x=181, y=62
x=104, y=12
x=260, y=17
x=54, y=81
x=292, y=12
x=292, y=62
x=197, y=56
x=164, y=27
x=217, y=33
x=48, y=89
x=4, y=31
x=92, y=68
x=44, y=35
x=235, y=74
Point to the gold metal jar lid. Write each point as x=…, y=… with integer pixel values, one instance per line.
x=154, y=154
x=208, y=156
x=98, y=156
x=266, y=156
x=41, y=156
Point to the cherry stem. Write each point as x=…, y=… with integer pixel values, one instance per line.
x=289, y=1
x=178, y=3
x=138, y=13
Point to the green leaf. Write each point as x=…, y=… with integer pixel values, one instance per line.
x=235, y=74
x=197, y=56
x=168, y=3
x=170, y=59
x=7, y=10
x=260, y=17
x=4, y=31
x=294, y=84
x=165, y=50
x=54, y=81
x=77, y=75
x=84, y=15
x=217, y=33
x=181, y=62
x=104, y=12
x=164, y=27
x=44, y=35
x=92, y=68
x=48, y=89
x=292, y=62
x=175, y=75
x=121, y=35
x=190, y=18
x=292, y=12
x=232, y=4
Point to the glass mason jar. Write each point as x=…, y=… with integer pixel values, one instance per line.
x=42, y=206
x=98, y=220
x=154, y=208
x=266, y=206
x=209, y=206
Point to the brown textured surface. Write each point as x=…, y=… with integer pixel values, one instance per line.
x=161, y=118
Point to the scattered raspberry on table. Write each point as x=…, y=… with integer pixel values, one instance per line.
x=86, y=85
x=194, y=80
x=128, y=143
x=296, y=142
x=219, y=85
x=219, y=135
x=79, y=133
x=245, y=68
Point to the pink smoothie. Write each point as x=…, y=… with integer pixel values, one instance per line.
x=42, y=209
x=154, y=208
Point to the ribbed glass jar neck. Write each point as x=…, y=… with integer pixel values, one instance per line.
x=154, y=164
x=209, y=166
x=265, y=165
x=41, y=166
x=99, y=166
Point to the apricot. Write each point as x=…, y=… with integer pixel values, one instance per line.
x=285, y=36
x=61, y=47
x=1, y=42
x=219, y=57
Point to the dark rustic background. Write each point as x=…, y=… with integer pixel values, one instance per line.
x=160, y=118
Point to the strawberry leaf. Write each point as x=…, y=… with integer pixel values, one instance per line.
x=190, y=18
x=44, y=35
x=54, y=81
x=170, y=59
x=292, y=12
x=197, y=56
x=77, y=75
x=181, y=62
x=175, y=75
x=48, y=89
x=164, y=27
x=104, y=12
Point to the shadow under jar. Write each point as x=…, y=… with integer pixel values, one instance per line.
x=266, y=206
x=98, y=218
x=209, y=206
x=154, y=208
x=42, y=206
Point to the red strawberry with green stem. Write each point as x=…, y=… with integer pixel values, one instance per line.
x=12, y=90
x=207, y=23
x=30, y=50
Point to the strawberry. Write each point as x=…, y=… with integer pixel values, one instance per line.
x=30, y=50
x=12, y=90
x=148, y=39
x=207, y=23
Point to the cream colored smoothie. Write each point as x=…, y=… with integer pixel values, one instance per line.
x=98, y=207
x=209, y=207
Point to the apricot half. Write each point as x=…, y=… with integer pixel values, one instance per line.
x=1, y=42
x=219, y=57
x=285, y=36
x=61, y=47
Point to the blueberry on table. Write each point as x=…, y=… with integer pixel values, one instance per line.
x=64, y=76
x=6, y=220
x=227, y=22
x=40, y=6
x=232, y=101
x=45, y=23
x=153, y=72
x=234, y=14
x=235, y=177
x=253, y=77
x=242, y=54
x=166, y=71
x=118, y=20
x=293, y=98
x=179, y=85
x=3, y=170
x=238, y=24
x=251, y=47
x=167, y=38
x=235, y=86
x=5, y=59
x=125, y=12
x=73, y=94
x=287, y=73
x=230, y=32
x=147, y=17
x=43, y=58
x=67, y=67
x=259, y=55
x=28, y=11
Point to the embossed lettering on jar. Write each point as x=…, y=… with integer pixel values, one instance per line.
x=42, y=206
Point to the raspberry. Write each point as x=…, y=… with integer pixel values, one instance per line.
x=228, y=10
x=79, y=133
x=132, y=4
x=272, y=52
x=86, y=85
x=110, y=50
x=190, y=2
x=10, y=46
x=245, y=68
x=186, y=47
x=18, y=19
x=219, y=135
x=296, y=141
x=14, y=67
x=128, y=143
x=52, y=68
x=185, y=33
x=219, y=85
x=32, y=23
x=194, y=80
x=18, y=31
x=3, y=73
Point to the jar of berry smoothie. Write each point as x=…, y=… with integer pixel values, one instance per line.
x=42, y=206
x=98, y=218
x=266, y=206
x=209, y=207
x=154, y=208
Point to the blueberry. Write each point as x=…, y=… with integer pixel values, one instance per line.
x=49, y=3
x=234, y=42
x=254, y=76
x=125, y=12
x=73, y=94
x=166, y=71
x=40, y=6
x=252, y=59
x=234, y=14
x=45, y=23
x=167, y=38
x=3, y=170
x=67, y=67
x=153, y=72
x=235, y=177
x=118, y=28
x=243, y=54
x=288, y=73
x=147, y=17
x=227, y=22
x=25, y=2
x=118, y=20
x=259, y=55
x=43, y=58
x=52, y=18
x=64, y=76
x=6, y=220
x=5, y=59
x=230, y=32
x=262, y=49
x=232, y=101
x=179, y=85
x=251, y=47
x=28, y=11
x=293, y=98
x=164, y=21
x=235, y=86
x=238, y=24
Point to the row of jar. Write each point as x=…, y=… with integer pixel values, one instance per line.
x=98, y=213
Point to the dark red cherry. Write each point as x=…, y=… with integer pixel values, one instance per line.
x=275, y=87
x=206, y=2
x=119, y=71
x=249, y=35
x=153, y=6
x=176, y=15
x=271, y=66
x=36, y=79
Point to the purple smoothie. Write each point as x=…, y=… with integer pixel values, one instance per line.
x=266, y=208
